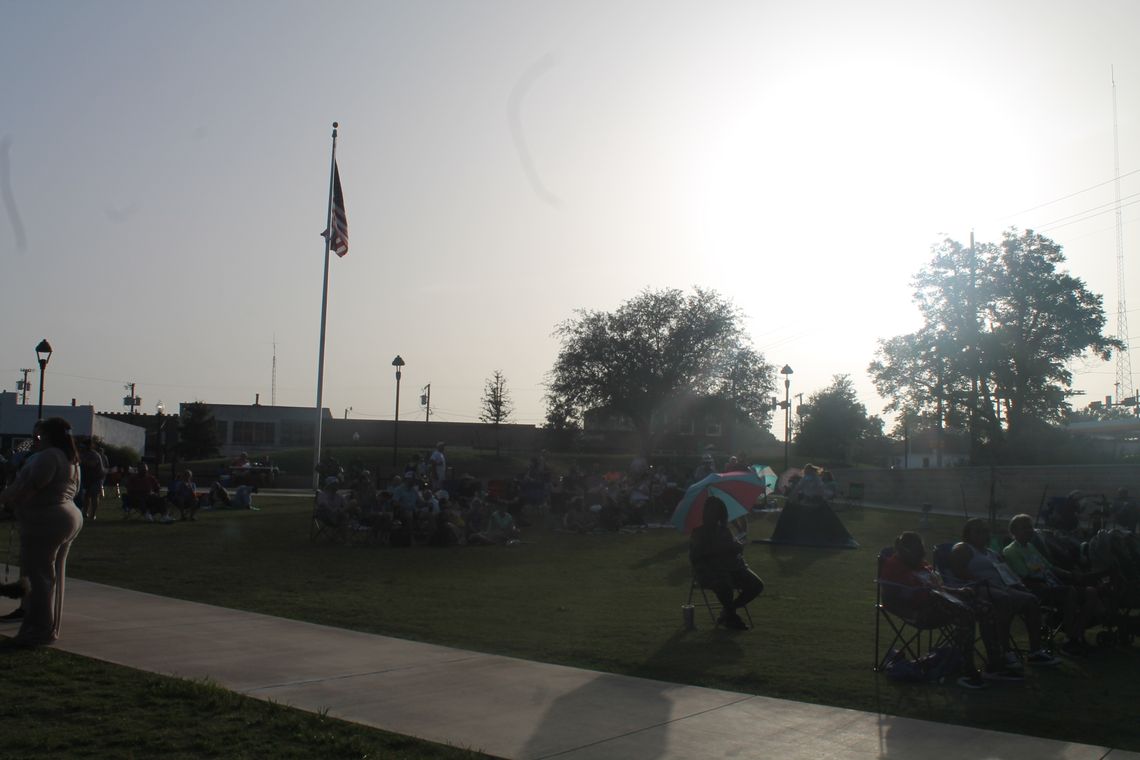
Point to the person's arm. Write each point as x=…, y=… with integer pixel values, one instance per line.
x=34, y=475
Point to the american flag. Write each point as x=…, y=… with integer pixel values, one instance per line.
x=338, y=239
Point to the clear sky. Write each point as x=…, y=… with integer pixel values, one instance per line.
x=505, y=163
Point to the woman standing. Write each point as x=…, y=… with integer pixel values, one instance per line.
x=43, y=494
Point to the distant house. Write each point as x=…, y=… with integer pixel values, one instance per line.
x=921, y=450
x=17, y=421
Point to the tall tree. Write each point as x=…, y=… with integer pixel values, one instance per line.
x=657, y=347
x=834, y=421
x=497, y=404
x=1001, y=324
x=197, y=432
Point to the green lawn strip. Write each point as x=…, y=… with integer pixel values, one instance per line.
x=608, y=602
x=61, y=705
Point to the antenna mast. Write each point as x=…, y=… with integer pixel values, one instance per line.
x=273, y=386
x=1124, y=387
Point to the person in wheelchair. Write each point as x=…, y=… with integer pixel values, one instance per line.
x=718, y=564
x=1053, y=585
x=912, y=589
x=972, y=561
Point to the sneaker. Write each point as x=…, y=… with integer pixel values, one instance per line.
x=1003, y=674
x=733, y=621
x=973, y=681
x=1041, y=657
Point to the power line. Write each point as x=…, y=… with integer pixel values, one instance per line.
x=1066, y=197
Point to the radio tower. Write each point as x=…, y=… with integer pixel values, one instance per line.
x=1124, y=389
x=273, y=386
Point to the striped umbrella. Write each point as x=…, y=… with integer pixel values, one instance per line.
x=738, y=490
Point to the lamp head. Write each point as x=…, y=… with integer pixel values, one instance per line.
x=43, y=352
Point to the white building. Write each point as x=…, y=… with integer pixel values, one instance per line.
x=17, y=421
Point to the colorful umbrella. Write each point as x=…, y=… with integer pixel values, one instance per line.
x=767, y=473
x=738, y=490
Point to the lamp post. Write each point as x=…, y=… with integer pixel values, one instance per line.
x=398, y=363
x=786, y=371
x=43, y=353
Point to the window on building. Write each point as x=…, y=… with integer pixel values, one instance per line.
x=254, y=433
x=296, y=433
x=223, y=428
x=712, y=427
x=685, y=426
x=926, y=461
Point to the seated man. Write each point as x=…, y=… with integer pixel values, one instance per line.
x=972, y=560
x=332, y=508
x=1052, y=585
x=913, y=590
x=139, y=486
x=718, y=564
x=182, y=495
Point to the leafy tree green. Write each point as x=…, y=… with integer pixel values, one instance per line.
x=658, y=347
x=497, y=404
x=197, y=432
x=834, y=422
x=1001, y=325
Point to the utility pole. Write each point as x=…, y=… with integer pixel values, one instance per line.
x=425, y=401
x=132, y=400
x=22, y=386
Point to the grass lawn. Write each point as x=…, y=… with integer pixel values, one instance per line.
x=59, y=705
x=608, y=602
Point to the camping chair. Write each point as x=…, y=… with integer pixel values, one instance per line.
x=908, y=632
x=695, y=585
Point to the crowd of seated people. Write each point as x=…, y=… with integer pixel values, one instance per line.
x=407, y=511
x=987, y=584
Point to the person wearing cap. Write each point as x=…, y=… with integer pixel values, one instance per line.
x=438, y=463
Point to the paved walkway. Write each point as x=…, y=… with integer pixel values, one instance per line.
x=504, y=706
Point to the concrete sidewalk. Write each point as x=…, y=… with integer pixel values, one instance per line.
x=504, y=706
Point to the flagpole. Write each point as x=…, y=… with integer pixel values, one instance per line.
x=324, y=309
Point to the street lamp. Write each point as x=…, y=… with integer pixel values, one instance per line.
x=786, y=371
x=43, y=353
x=398, y=363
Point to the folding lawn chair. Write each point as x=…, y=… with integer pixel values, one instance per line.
x=695, y=586
x=908, y=631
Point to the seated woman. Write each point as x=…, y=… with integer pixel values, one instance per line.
x=718, y=564
x=911, y=589
x=501, y=528
x=1052, y=585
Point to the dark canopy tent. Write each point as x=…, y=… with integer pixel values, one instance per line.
x=810, y=524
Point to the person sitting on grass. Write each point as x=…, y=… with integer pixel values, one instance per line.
x=501, y=528
x=971, y=560
x=219, y=497
x=1052, y=585
x=718, y=564
x=913, y=590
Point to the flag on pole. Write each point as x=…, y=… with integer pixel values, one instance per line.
x=338, y=229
